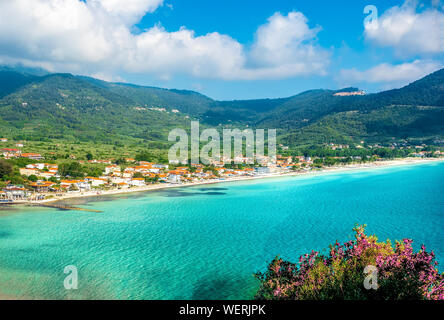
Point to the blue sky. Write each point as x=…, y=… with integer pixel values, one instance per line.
x=228, y=49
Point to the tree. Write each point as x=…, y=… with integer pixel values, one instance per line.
x=33, y=178
x=17, y=179
x=53, y=179
x=144, y=156
x=93, y=170
x=89, y=156
x=6, y=169
x=72, y=169
x=138, y=175
x=151, y=180
x=121, y=161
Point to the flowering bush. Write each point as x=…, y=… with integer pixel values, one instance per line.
x=401, y=273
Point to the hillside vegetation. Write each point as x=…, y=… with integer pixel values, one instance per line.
x=66, y=107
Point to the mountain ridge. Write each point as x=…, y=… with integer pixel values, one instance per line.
x=62, y=105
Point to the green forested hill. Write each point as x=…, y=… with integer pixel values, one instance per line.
x=379, y=125
x=189, y=102
x=63, y=106
x=318, y=116
x=12, y=81
x=415, y=111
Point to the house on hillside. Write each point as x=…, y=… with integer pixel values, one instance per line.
x=117, y=180
x=261, y=170
x=160, y=166
x=123, y=185
x=15, y=192
x=10, y=153
x=42, y=186
x=95, y=182
x=349, y=93
x=174, y=178
x=137, y=182
x=32, y=156
x=80, y=185
x=49, y=174
x=29, y=171
x=154, y=170
x=112, y=169
x=39, y=166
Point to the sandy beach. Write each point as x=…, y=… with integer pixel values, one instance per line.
x=376, y=164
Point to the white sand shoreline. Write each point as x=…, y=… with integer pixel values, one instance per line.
x=334, y=169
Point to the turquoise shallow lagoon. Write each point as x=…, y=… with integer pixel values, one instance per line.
x=205, y=242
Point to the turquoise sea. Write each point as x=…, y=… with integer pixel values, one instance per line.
x=205, y=242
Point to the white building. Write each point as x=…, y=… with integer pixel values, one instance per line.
x=112, y=169
x=137, y=182
x=83, y=186
x=95, y=182
x=39, y=166
x=117, y=180
x=174, y=178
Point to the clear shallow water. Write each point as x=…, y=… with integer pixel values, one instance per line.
x=205, y=242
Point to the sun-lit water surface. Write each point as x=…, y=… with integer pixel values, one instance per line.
x=205, y=242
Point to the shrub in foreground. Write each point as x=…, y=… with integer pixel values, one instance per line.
x=401, y=273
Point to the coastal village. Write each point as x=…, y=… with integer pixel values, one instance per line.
x=134, y=175
x=45, y=182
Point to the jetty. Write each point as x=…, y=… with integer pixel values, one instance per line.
x=62, y=207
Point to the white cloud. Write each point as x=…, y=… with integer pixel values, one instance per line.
x=130, y=10
x=162, y=52
x=391, y=75
x=106, y=77
x=95, y=38
x=409, y=32
x=287, y=44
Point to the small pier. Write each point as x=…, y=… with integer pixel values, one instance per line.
x=63, y=207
